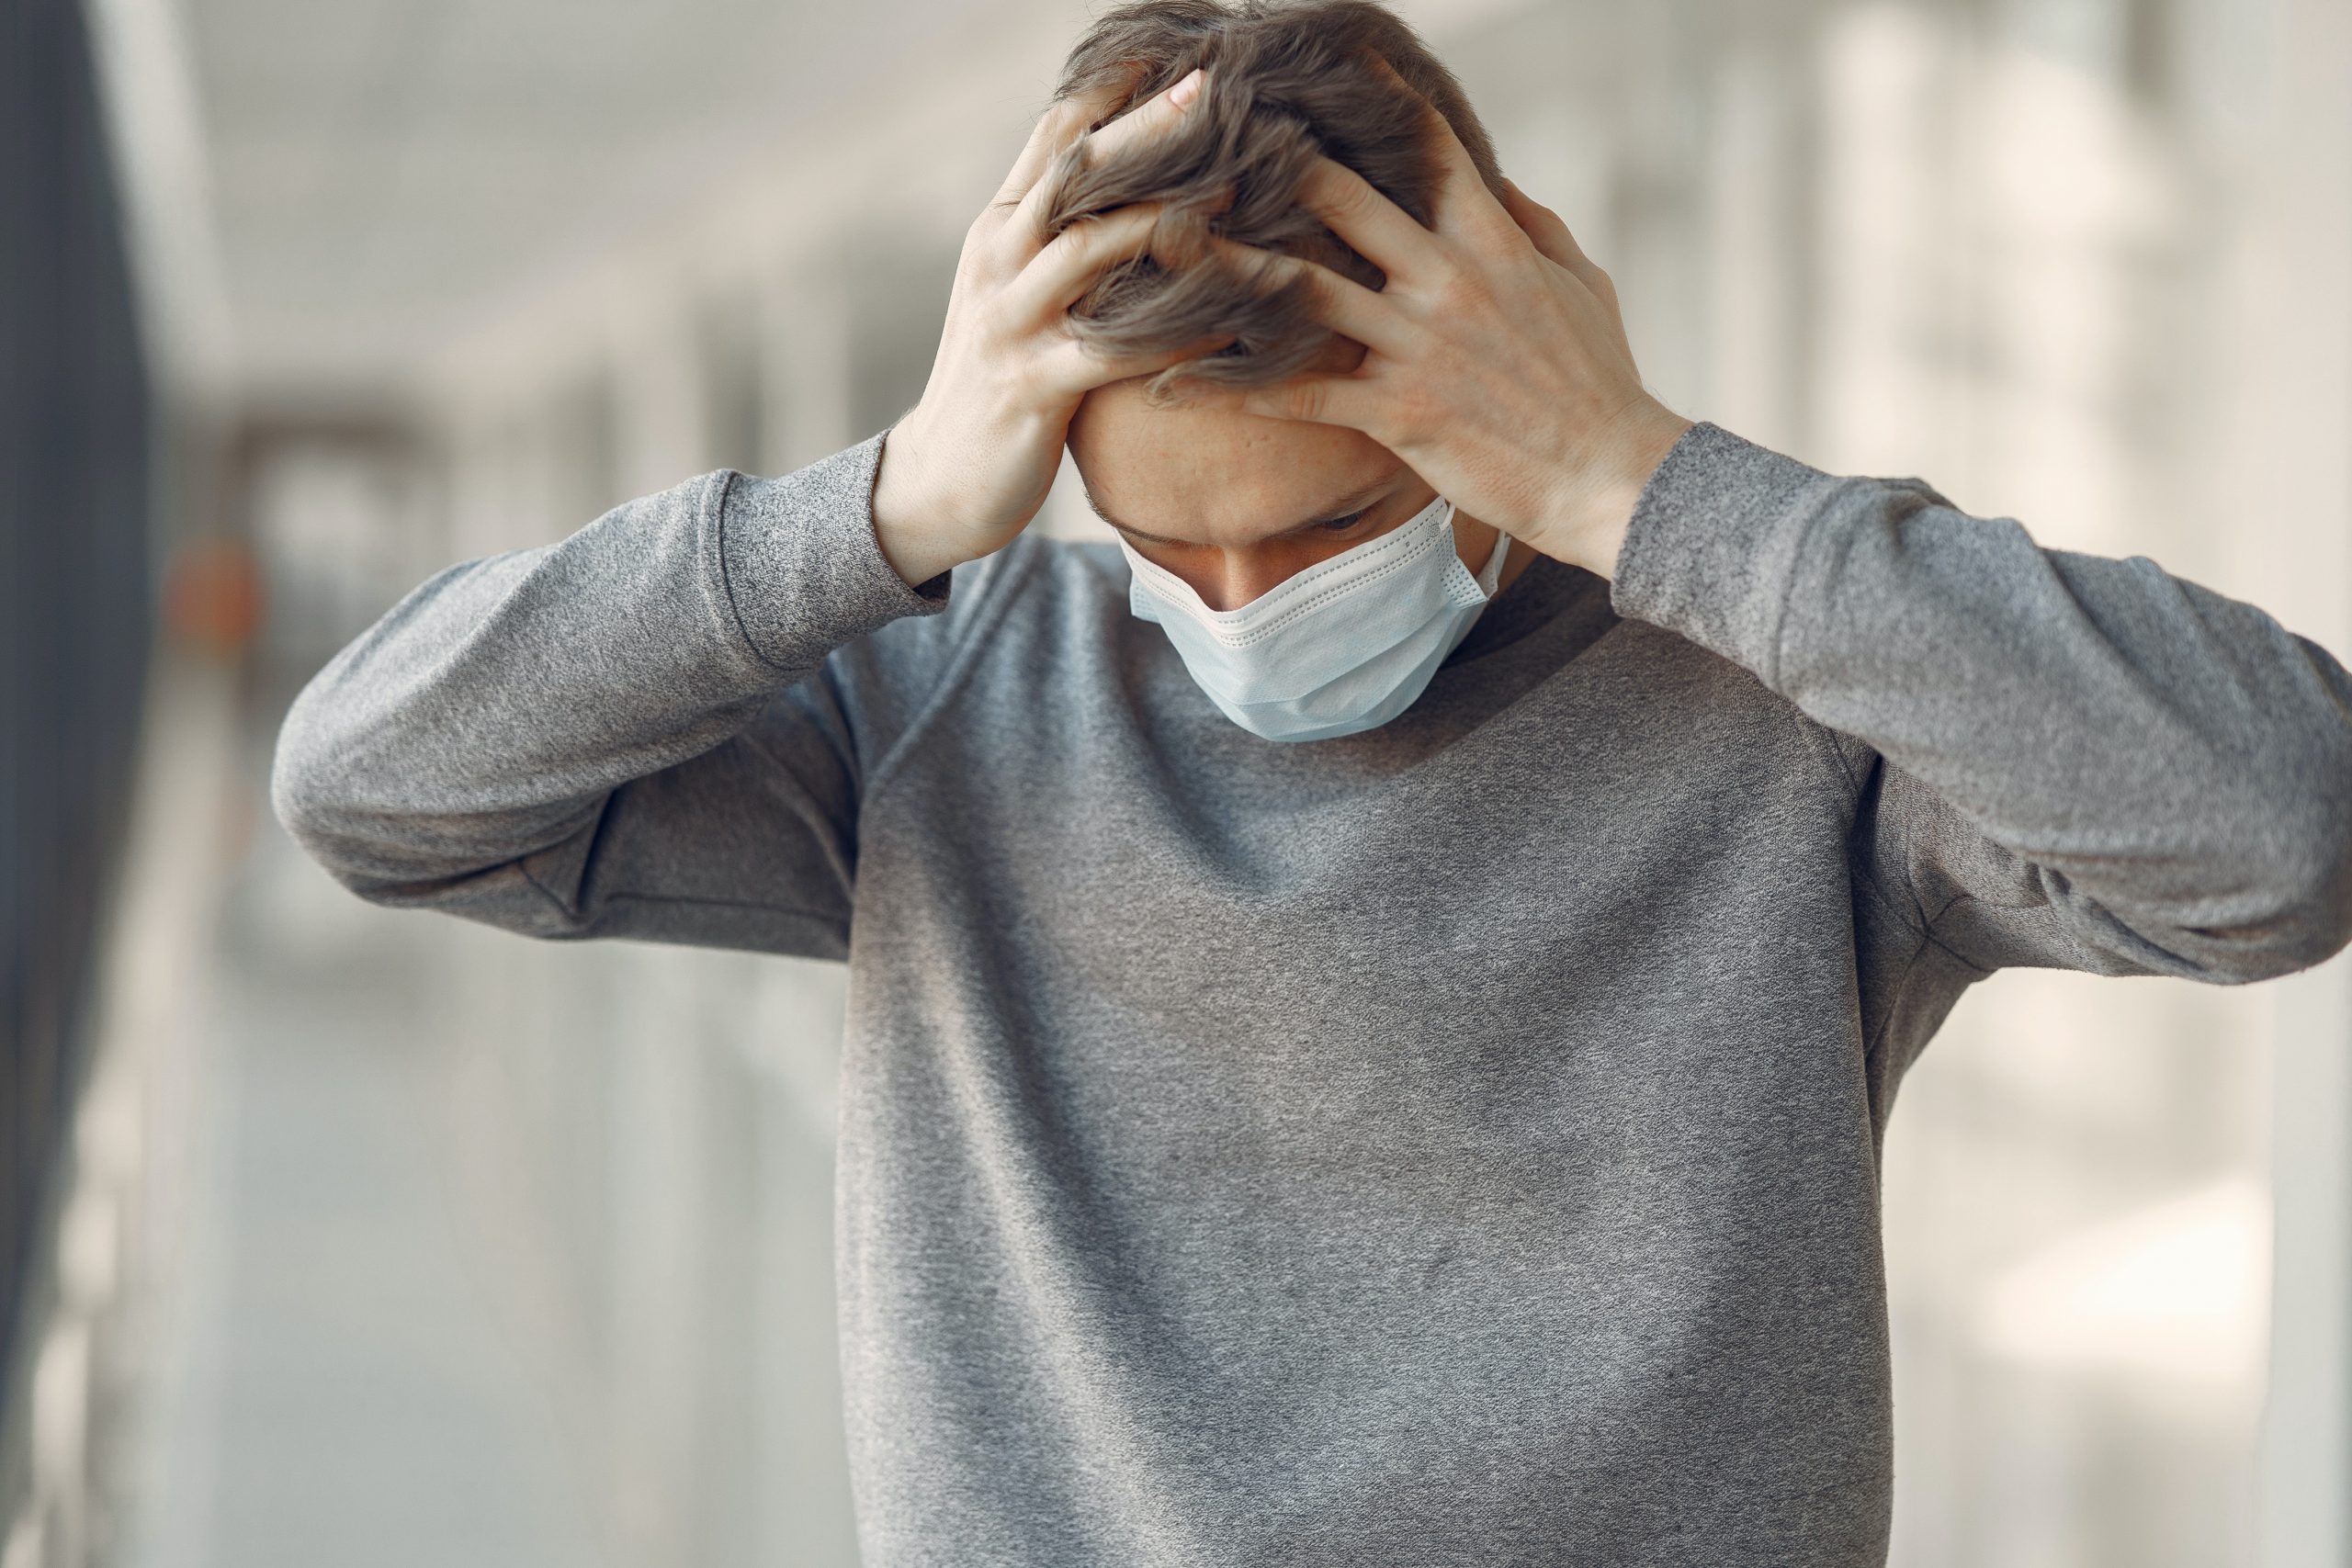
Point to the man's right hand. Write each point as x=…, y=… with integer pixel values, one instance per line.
x=970, y=464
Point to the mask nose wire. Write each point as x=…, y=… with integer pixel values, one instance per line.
x=1170, y=584
x=1237, y=603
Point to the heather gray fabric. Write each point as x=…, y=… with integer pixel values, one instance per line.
x=1453, y=1143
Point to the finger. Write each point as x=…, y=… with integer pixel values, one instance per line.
x=1462, y=205
x=1380, y=231
x=1340, y=303
x=1074, y=367
x=1318, y=400
x=1555, y=242
x=1062, y=123
x=1076, y=256
x=1551, y=234
x=1153, y=117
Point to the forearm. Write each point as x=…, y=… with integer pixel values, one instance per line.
x=489, y=713
x=2174, y=754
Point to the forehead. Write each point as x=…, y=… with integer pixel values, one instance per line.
x=1214, y=475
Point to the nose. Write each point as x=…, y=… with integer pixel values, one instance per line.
x=1230, y=579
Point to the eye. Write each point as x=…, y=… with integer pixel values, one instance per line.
x=1341, y=524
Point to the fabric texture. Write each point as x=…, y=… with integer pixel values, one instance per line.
x=1456, y=1143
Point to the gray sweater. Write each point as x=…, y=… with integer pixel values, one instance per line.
x=1454, y=1144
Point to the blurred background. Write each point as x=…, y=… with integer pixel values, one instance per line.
x=331, y=1234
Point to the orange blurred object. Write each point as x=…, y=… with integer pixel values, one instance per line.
x=213, y=596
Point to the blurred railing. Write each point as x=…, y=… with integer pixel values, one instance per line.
x=74, y=434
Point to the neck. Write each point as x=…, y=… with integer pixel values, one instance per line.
x=1522, y=555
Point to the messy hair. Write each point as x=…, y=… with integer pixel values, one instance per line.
x=1285, y=81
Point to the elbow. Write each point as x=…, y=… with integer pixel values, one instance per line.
x=2302, y=866
x=317, y=808
x=296, y=795
x=2319, y=848
x=329, y=800
x=2319, y=878
x=2268, y=890
x=354, y=845
x=304, y=801
x=307, y=819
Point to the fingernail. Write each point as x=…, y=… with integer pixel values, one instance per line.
x=1185, y=91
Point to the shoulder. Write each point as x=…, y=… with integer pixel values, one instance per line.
x=1034, y=588
x=1029, y=611
x=1712, y=704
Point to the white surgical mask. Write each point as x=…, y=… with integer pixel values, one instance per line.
x=1344, y=645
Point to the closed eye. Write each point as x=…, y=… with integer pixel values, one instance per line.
x=1341, y=524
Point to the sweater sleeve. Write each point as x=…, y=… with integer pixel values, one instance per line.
x=636, y=731
x=2061, y=760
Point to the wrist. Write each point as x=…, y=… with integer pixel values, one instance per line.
x=1599, y=504
x=906, y=513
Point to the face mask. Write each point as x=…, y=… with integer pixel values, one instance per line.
x=1344, y=645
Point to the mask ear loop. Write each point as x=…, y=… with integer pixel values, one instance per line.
x=1490, y=576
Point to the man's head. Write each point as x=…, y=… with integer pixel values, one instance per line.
x=1231, y=501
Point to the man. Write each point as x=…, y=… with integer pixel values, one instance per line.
x=1373, y=1002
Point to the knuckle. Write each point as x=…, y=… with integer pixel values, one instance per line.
x=1490, y=222
x=1068, y=243
x=1413, y=413
x=978, y=265
x=1349, y=196
x=1092, y=236
x=1078, y=246
x=1289, y=399
x=984, y=242
x=1462, y=289
x=1061, y=125
x=997, y=321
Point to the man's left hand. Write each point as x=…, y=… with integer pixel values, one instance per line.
x=1496, y=363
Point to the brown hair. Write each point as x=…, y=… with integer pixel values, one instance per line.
x=1287, y=81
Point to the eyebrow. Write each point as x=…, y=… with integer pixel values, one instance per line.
x=1332, y=512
